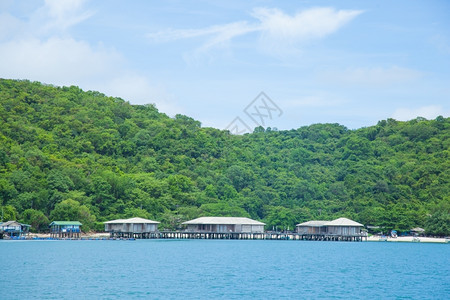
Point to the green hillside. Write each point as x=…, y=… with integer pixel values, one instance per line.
x=70, y=154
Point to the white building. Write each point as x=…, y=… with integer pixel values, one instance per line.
x=341, y=226
x=224, y=224
x=132, y=225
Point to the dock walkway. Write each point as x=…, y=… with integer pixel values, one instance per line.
x=239, y=236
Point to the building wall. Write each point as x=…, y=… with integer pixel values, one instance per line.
x=136, y=228
x=151, y=227
x=65, y=228
x=116, y=227
x=311, y=229
x=10, y=228
x=252, y=228
x=257, y=228
x=246, y=228
x=225, y=228
x=344, y=230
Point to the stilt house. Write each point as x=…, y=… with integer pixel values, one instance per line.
x=341, y=227
x=14, y=228
x=65, y=229
x=133, y=227
x=224, y=225
x=312, y=227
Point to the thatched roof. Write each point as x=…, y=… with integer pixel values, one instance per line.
x=135, y=220
x=223, y=221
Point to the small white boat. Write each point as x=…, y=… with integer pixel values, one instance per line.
x=416, y=240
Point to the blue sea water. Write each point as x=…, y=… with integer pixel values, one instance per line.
x=223, y=269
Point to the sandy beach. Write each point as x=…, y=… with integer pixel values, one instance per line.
x=376, y=238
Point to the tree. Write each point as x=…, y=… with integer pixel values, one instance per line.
x=9, y=213
x=438, y=223
x=239, y=176
x=116, y=159
x=71, y=210
x=35, y=218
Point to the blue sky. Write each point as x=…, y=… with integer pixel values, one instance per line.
x=347, y=62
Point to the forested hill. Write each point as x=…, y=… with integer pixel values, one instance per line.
x=70, y=154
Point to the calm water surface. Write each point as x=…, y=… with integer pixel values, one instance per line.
x=212, y=269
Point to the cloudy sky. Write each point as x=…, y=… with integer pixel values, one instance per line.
x=347, y=62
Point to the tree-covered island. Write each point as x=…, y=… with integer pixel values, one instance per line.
x=69, y=154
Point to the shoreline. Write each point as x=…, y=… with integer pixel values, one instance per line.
x=373, y=238
x=408, y=239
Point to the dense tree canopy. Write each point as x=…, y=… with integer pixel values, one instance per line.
x=66, y=153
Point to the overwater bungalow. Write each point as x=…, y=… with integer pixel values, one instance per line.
x=14, y=229
x=339, y=229
x=312, y=227
x=224, y=225
x=344, y=226
x=133, y=227
x=65, y=229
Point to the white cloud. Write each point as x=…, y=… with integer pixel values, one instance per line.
x=276, y=29
x=428, y=112
x=371, y=76
x=61, y=15
x=9, y=26
x=224, y=32
x=41, y=49
x=218, y=36
x=308, y=24
x=56, y=60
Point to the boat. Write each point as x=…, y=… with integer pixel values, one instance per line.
x=416, y=240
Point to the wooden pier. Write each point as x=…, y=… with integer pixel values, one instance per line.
x=239, y=236
x=134, y=235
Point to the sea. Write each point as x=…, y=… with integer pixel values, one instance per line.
x=223, y=269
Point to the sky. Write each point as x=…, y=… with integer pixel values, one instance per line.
x=239, y=64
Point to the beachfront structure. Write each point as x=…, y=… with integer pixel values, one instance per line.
x=14, y=229
x=133, y=227
x=65, y=229
x=340, y=229
x=312, y=227
x=224, y=225
x=344, y=226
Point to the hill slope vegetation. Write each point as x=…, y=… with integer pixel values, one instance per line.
x=69, y=154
